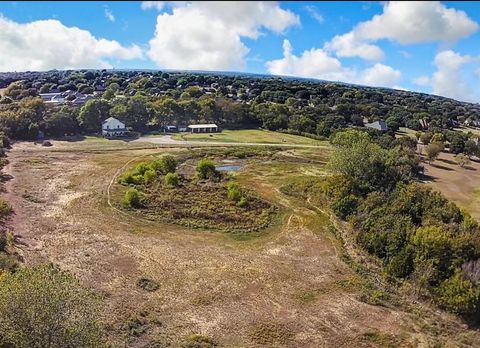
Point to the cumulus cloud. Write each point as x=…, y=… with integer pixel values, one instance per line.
x=348, y=45
x=48, y=44
x=314, y=63
x=407, y=23
x=109, y=14
x=410, y=22
x=452, y=77
x=380, y=75
x=208, y=35
x=317, y=63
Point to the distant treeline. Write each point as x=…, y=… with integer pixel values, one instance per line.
x=149, y=100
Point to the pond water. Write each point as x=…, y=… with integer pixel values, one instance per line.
x=228, y=168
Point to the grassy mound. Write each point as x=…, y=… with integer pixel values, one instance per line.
x=204, y=200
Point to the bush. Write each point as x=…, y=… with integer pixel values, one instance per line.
x=401, y=265
x=206, y=170
x=345, y=206
x=233, y=191
x=458, y=294
x=433, y=150
x=8, y=263
x=133, y=198
x=5, y=209
x=165, y=164
x=44, y=306
x=149, y=176
x=172, y=179
x=199, y=341
x=147, y=284
x=243, y=202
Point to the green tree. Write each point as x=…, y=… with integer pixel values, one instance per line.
x=433, y=150
x=44, y=306
x=93, y=113
x=471, y=148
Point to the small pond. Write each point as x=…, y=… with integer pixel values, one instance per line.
x=228, y=168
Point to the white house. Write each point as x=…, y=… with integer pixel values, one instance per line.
x=203, y=128
x=112, y=127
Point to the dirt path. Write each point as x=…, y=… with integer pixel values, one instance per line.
x=283, y=289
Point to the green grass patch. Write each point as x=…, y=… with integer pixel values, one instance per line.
x=251, y=136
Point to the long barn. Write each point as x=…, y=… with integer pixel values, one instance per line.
x=203, y=128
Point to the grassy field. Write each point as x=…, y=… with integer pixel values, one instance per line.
x=250, y=136
x=295, y=285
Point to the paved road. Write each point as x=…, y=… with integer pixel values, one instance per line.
x=168, y=140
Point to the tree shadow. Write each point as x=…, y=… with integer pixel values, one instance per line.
x=469, y=168
x=441, y=167
x=425, y=177
x=446, y=161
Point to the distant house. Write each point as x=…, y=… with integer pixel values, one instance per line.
x=203, y=128
x=378, y=125
x=112, y=127
x=72, y=97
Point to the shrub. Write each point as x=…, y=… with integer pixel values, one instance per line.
x=5, y=209
x=433, y=150
x=8, y=263
x=44, y=306
x=243, y=202
x=149, y=176
x=147, y=284
x=458, y=294
x=345, y=206
x=199, y=341
x=206, y=170
x=401, y=265
x=233, y=191
x=165, y=164
x=133, y=198
x=462, y=160
x=172, y=179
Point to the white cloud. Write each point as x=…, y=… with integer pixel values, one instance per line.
x=422, y=81
x=405, y=22
x=409, y=22
x=317, y=63
x=109, y=15
x=147, y=5
x=48, y=44
x=447, y=80
x=450, y=78
x=208, y=35
x=380, y=75
x=348, y=45
x=313, y=11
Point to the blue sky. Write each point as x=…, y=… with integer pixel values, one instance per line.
x=430, y=47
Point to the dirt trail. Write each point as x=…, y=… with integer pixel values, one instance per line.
x=278, y=290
